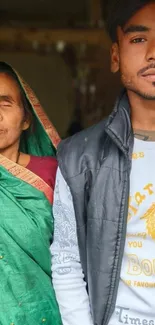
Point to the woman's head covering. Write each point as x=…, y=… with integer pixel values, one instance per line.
x=41, y=139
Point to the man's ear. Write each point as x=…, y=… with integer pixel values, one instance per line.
x=114, y=58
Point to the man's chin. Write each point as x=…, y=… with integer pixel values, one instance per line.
x=144, y=94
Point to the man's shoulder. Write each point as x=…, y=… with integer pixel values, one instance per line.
x=84, y=139
x=81, y=151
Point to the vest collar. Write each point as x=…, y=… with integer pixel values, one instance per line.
x=118, y=125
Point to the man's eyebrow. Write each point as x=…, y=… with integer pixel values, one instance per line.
x=135, y=28
x=6, y=98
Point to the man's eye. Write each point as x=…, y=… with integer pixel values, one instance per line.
x=138, y=40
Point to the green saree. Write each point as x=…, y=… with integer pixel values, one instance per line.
x=26, y=228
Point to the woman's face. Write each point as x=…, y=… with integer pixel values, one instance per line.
x=12, y=117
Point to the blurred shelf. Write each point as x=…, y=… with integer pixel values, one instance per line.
x=11, y=36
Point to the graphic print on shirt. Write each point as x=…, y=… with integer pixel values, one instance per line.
x=137, y=239
x=150, y=221
x=135, y=304
x=149, y=215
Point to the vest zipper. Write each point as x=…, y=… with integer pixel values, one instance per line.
x=110, y=309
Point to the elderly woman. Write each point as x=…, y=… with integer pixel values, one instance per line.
x=27, y=176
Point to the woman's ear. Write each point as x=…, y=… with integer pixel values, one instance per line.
x=27, y=121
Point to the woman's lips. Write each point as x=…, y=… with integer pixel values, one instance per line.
x=2, y=131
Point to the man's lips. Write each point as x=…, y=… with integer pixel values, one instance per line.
x=149, y=75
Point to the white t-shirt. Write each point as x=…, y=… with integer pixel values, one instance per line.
x=136, y=294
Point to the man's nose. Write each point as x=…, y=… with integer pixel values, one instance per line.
x=150, y=55
x=1, y=117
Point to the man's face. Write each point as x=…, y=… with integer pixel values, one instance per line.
x=134, y=54
x=12, y=119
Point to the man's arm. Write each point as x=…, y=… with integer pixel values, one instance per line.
x=67, y=274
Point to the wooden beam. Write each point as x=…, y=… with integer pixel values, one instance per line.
x=20, y=36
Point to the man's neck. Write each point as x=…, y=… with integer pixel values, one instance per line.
x=142, y=112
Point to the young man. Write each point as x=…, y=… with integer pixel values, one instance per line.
x=107, y=174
